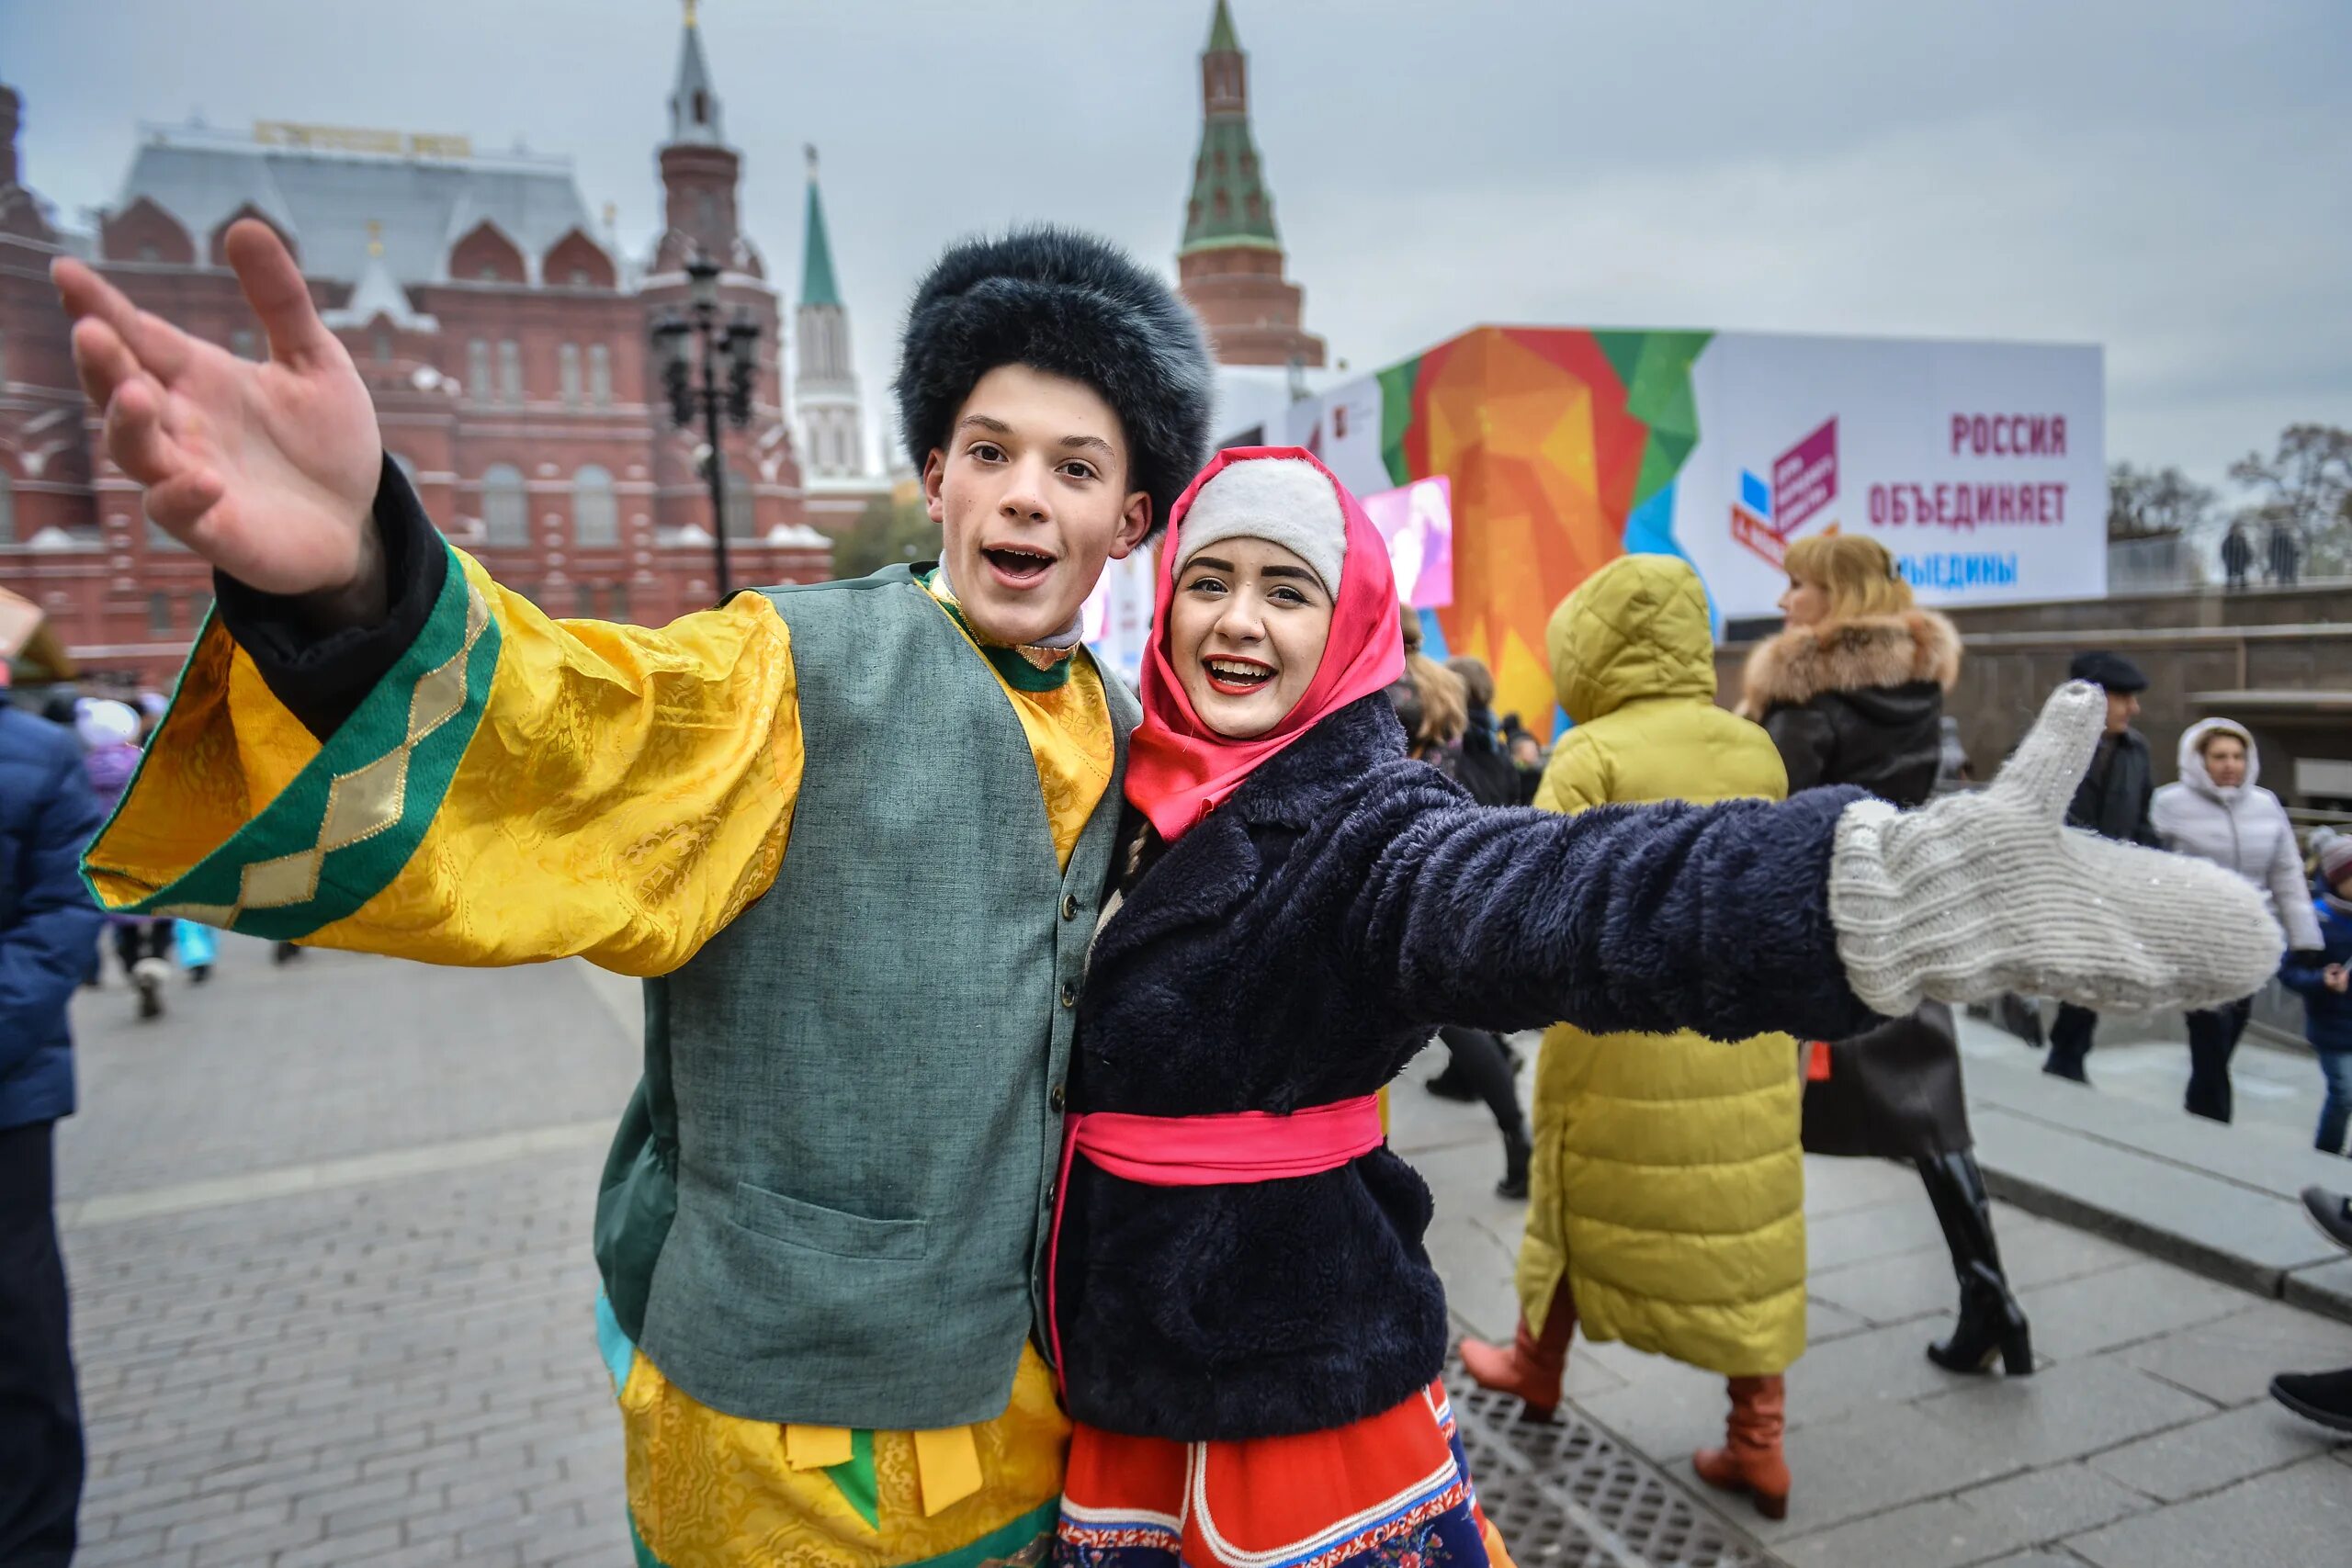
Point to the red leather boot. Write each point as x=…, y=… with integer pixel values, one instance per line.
x=1750, y=1459
x=1531, y=1365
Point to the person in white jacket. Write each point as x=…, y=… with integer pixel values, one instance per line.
x=2217, y=812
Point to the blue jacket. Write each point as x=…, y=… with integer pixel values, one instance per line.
x=2327, y=1015
x=1296, y=948
x=49, y=927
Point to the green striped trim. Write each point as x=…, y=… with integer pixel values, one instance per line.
x=341, y=831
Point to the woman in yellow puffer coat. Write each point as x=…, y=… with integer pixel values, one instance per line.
x=1668, y=1203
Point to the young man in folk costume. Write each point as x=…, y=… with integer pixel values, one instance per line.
x=857, y=837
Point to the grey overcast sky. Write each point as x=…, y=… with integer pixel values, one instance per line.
x=2173, y=180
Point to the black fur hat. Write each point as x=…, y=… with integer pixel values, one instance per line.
x=1070, y=305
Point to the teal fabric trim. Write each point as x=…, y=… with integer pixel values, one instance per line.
x=618, y=1353
x=645, y=1557
x=1002, y=1544
x=855, y=1479
x=351, y=874
x=1018, y=672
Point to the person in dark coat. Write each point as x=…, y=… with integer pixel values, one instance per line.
x=49, y=933
x=1852, y=693
x=2237, y=557
x=2286, y=555
x=2116, y=800
x=1485, y=768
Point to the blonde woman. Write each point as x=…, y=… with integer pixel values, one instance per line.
x=1852, y=693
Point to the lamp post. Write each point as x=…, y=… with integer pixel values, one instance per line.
x=738, y=342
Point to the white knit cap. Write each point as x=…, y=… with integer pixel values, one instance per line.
x=1284, y=501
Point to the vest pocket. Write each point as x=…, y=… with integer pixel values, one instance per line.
x=834, y=1231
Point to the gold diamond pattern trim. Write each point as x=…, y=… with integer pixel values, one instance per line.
x=363, y=802
x=274, y=884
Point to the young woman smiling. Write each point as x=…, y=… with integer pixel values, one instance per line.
x=1244, y=1317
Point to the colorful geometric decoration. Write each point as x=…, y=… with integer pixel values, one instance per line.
x=1562, y=447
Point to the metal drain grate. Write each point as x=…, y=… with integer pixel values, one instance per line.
x=1567, y=1494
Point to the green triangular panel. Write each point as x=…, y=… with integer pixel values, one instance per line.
x=1396, y=417
x=853, y=1479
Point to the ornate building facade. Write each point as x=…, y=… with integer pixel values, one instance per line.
x=1230, y=263
x=501, y=332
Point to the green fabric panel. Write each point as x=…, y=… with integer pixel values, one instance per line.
x=855, y=1479
x=351, y=875
x=645, y=1557
x=1396, y=417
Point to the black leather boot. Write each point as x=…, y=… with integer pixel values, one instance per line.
x=1991, y=1322
x=1517, y=1148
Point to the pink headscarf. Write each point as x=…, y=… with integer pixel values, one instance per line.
x=1178, y=770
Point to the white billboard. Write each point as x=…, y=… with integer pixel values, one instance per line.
x=1980, y=466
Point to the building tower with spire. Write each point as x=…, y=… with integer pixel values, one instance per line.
x=1230, y=265
x=824, y=382
x=699, y=171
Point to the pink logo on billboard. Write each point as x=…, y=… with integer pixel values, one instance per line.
x=1803, y=483
x=1417, y=520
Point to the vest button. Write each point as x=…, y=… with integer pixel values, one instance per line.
x=1069, y=993
x=1070, y=906
x=1057, y=1099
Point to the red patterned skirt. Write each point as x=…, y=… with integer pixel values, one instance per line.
x=1391, y=1490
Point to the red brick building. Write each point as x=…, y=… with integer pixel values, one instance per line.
x=503, y=335
x=1230, y=264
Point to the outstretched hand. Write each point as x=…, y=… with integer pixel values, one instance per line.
x=265, y=470
x=1987, y=892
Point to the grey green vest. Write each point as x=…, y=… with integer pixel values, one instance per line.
x=828, y=1200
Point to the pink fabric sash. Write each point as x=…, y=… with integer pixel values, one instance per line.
x=1206, y=1151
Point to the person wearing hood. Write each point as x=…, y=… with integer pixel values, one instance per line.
x=49, y=935
x=110, y=733
x=2322, y=976
x=1668, y=1189
x=1852, y=693
x=2217, y=810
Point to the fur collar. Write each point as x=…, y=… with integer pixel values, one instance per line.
x=1801, y=662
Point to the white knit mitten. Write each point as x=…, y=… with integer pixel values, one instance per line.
x=1977, y=894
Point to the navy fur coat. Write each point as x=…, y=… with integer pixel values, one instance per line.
x=1296, y=948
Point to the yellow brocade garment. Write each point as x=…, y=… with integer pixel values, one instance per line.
x=518, y=789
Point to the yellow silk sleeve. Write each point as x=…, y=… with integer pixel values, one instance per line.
x=516, y=789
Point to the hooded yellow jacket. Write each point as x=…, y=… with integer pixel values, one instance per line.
x=1667, y=1185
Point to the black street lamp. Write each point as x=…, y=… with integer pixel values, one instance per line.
x=738, y=341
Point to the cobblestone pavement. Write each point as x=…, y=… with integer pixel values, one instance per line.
x=331, y=1275
x=328, y=1230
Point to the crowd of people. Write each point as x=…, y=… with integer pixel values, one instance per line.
x=1071, y=1228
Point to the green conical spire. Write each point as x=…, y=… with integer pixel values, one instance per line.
x=817, y=285
x=1230, y=205
x=1221, y=34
